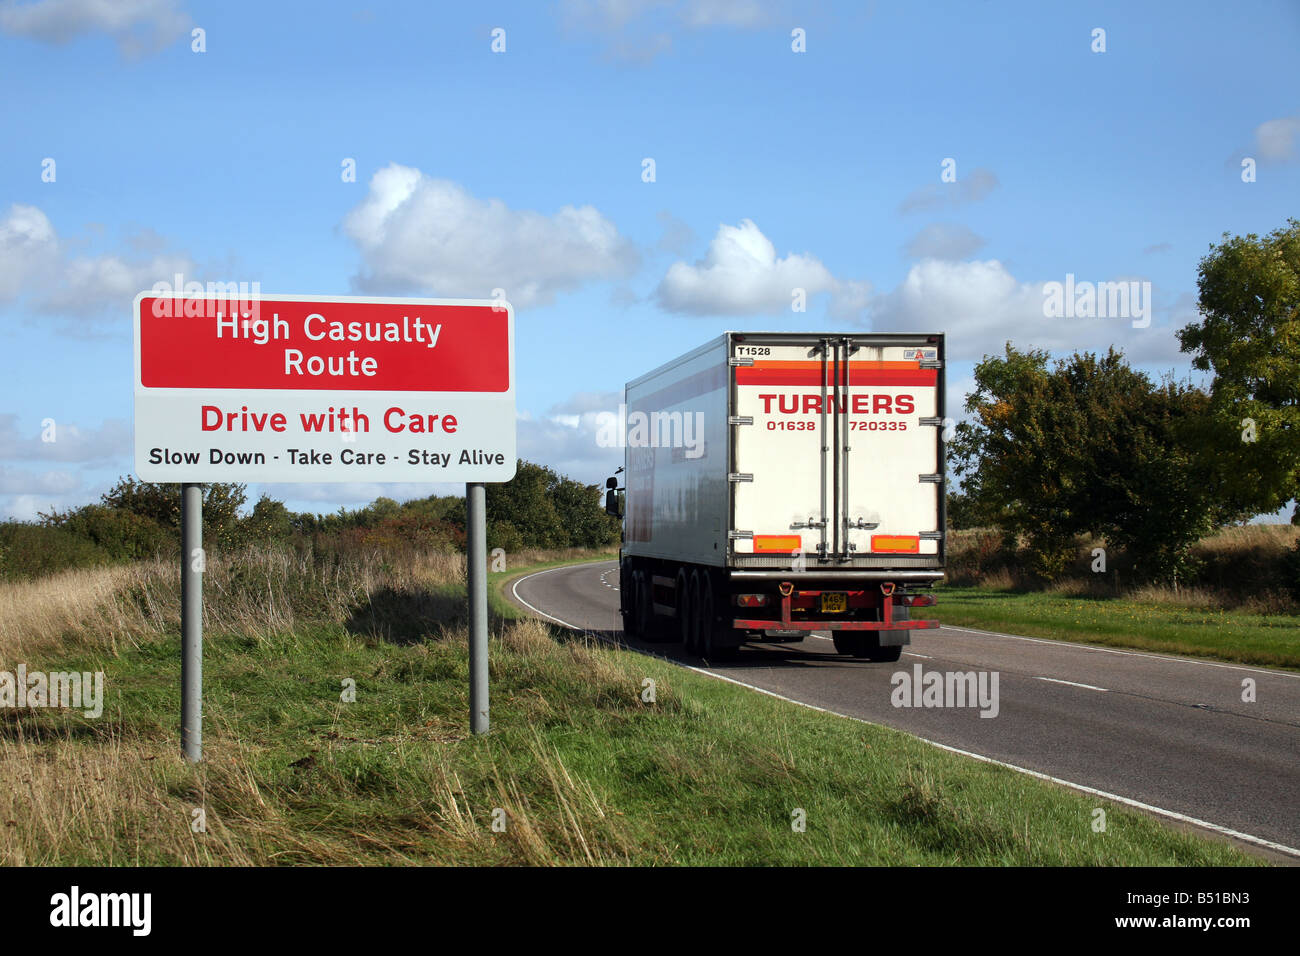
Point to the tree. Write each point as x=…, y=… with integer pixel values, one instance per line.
x=538, y=508
x=1090, y=446
x=1249, y=337
x=161, y=503
x=1012, y=457
x=270, y=521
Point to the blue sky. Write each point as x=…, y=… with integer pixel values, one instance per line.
x=523, y=170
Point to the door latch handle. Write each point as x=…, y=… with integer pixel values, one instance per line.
x=810, y=523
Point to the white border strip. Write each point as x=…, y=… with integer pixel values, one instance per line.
x=1127, y=801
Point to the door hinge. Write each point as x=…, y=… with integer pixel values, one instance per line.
x=929, y=479
x=740, y=420
x=740, y=476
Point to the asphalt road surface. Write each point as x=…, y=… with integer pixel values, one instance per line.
x=1169, y=734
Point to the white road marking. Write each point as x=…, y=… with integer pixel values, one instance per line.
x=1057, y=680
x=1127, y=801
x=910, y=654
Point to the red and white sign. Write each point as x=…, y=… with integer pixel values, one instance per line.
x=260, y=388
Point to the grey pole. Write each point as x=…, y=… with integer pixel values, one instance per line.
x=192, y=564
x=476, y=574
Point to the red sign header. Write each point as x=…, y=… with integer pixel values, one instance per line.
x=194, y=342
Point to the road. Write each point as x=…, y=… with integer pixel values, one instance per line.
x=1170, y=735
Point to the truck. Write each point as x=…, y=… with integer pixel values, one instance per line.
x=777, y=484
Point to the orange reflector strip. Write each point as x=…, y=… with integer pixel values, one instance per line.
x=773, y=543
x=896, y=543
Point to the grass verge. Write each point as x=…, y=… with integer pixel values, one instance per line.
x=581, y=768
x=1189, y=629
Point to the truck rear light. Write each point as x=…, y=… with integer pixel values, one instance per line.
x=751, y=600
x=917, y=600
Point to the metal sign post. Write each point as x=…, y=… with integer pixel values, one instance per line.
x=192, y=564
x=476, y=575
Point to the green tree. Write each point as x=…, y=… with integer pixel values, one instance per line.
x=161, y=503
x=1249, y=337
x=1089, y=446
x=270, y=521
x=540, y=509
x=524, y=503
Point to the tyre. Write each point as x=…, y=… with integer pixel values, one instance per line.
x=682, y=593
x=711, y=647
x=693, y=629
x=885, y=655
x=628, y=595
x=850, y=643
x=888, y=654
x=644, y=608
x=866, y=645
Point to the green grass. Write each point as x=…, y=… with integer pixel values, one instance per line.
x=582, y=768
x=1233, y=636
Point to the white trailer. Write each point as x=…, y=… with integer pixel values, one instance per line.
x=779, y=483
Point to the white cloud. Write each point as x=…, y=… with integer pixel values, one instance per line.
x=741, y=274
x=745, y=14
x=678, y=235
x=21, y=481
x=138, y=26
x=71, y=443
x=968, y=188
x=568, y=442
x=981, y=306
x=640, y=30
x=944, y=241
x=28, y=249
x=417, y=233
x=1275, y=140
x=36, y=265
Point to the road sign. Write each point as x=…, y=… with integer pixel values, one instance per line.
x=264, y=388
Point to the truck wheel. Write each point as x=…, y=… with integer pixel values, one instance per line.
x=644, y=609
x=850, y=643
x=885, y=655
x=711, y=649
x=866, y=645
x=692, y=642
x=682, y=592
x=628, y=596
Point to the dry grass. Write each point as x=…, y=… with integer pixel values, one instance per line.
x=109, y=609
x=1266, y=539
x=1241, y=568
x=110, y=793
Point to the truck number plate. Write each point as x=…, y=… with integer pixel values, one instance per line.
x=835, y=603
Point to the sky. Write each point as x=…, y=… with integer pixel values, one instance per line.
x=638, y=176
